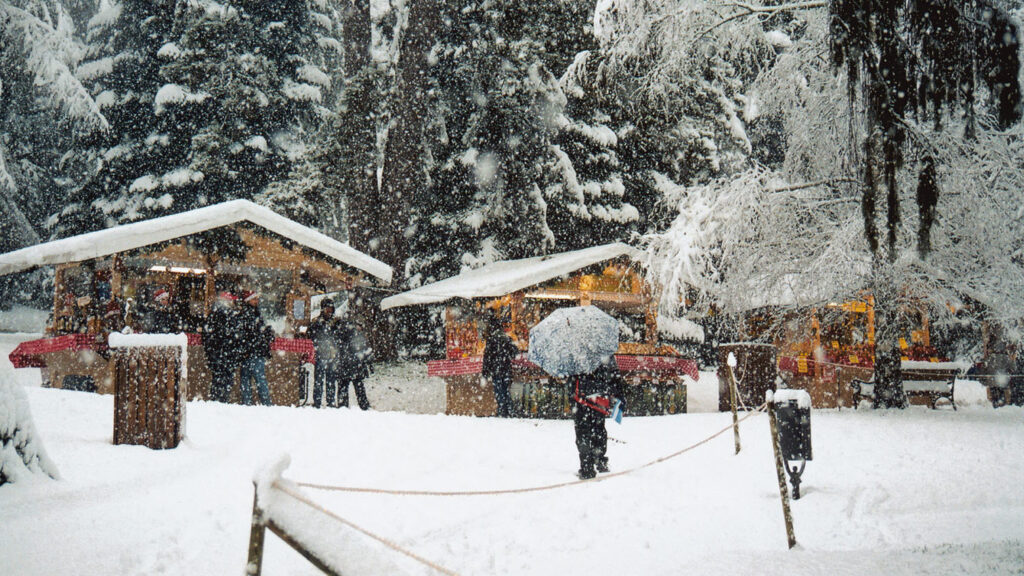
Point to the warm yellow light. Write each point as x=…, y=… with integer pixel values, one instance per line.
x=177, y=270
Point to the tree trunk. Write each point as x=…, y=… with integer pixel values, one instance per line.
x=888, y=328
x=356, y=159
x=404, y=153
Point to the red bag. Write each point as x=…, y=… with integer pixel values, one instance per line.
x=602, y=404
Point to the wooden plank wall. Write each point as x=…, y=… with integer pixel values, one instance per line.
x=148, y=404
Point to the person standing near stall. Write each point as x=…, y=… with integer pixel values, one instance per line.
x=354, y=364
x=255, y=337
x=499, y=351
x=220, y=346
x=161, y=319
x=324, y=332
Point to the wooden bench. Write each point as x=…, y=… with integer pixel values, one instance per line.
x=919, y=381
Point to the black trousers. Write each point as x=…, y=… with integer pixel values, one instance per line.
x=325, y=377
x=222, y=378
x=591, y=437
x=357, y=383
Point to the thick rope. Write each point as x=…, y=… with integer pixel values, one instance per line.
x=524, y=490
x=287, y=490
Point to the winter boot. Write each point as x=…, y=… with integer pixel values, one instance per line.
x=586, y=473
x=602, y=465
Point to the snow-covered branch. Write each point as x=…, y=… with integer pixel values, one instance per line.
x=48, y=55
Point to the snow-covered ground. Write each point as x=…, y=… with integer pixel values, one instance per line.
x=894, y=492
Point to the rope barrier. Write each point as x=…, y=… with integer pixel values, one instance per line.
x=523, y=490
x=363, y=531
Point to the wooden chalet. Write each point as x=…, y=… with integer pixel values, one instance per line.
x=822, y=349
x=523, y=292
x=106, y=280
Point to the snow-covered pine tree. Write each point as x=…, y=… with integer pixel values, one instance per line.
x=587, y=204
x=122, y=70
x=492, y=152
x=208, y=101
x=643, y=115
x=44, y=113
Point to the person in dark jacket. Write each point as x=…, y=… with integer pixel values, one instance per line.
x=324, y=332
x=594, y=395
x=255, y=337
x=161, y=319
x=354, y=364
x=497, y=367
x=220, y=346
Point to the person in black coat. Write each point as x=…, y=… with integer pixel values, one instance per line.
x=594, y=395
x=499, y=351
x=254, y=339
x=353, y=365
x=161, y=319
x=324, y=332
x=221, y=348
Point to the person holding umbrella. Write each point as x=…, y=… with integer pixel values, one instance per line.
x=579, y=344
x=593, y=396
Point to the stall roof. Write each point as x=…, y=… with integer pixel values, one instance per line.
x=147, y=232
x=507, y=276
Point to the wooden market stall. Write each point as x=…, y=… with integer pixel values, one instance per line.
x=823, y=349
x=522, y=293
x=106, y=281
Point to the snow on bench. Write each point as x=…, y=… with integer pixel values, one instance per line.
x=921, y=379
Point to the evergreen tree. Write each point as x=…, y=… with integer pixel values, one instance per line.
x=494, y=165
x=208, y=102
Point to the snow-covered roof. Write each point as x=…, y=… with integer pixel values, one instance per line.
x=147, y=232
x=507, y=276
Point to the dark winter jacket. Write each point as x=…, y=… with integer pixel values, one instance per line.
x=220, y=335
x=324, y=332
x=255, y=336
x=355, y=357
x=597, y=389
x=161, y=321
x=498, y=355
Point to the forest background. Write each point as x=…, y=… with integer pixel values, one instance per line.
x=785, y=153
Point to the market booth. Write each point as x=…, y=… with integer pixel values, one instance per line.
x=821, y=350
x=522, y=293
x=106, y=281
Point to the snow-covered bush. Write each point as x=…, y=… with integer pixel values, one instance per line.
x=22, y=456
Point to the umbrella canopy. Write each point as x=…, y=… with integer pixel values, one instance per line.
x=573, y=340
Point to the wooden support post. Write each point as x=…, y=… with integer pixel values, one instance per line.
x=731, y=362
x=255, y=563
x=780, y=470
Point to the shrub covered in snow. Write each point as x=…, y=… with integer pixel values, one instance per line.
x=22, y=456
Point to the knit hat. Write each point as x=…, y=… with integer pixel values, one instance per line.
x=161, y=294
x=326, y=302
x=225, y=295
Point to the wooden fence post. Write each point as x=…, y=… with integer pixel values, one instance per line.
x=731, y=362
x=255, y=564
x=780, y=470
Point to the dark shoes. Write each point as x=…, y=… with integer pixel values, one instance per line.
x=586, y=474
x=602, y=466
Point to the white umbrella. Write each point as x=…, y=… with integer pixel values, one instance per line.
x=573, y=340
